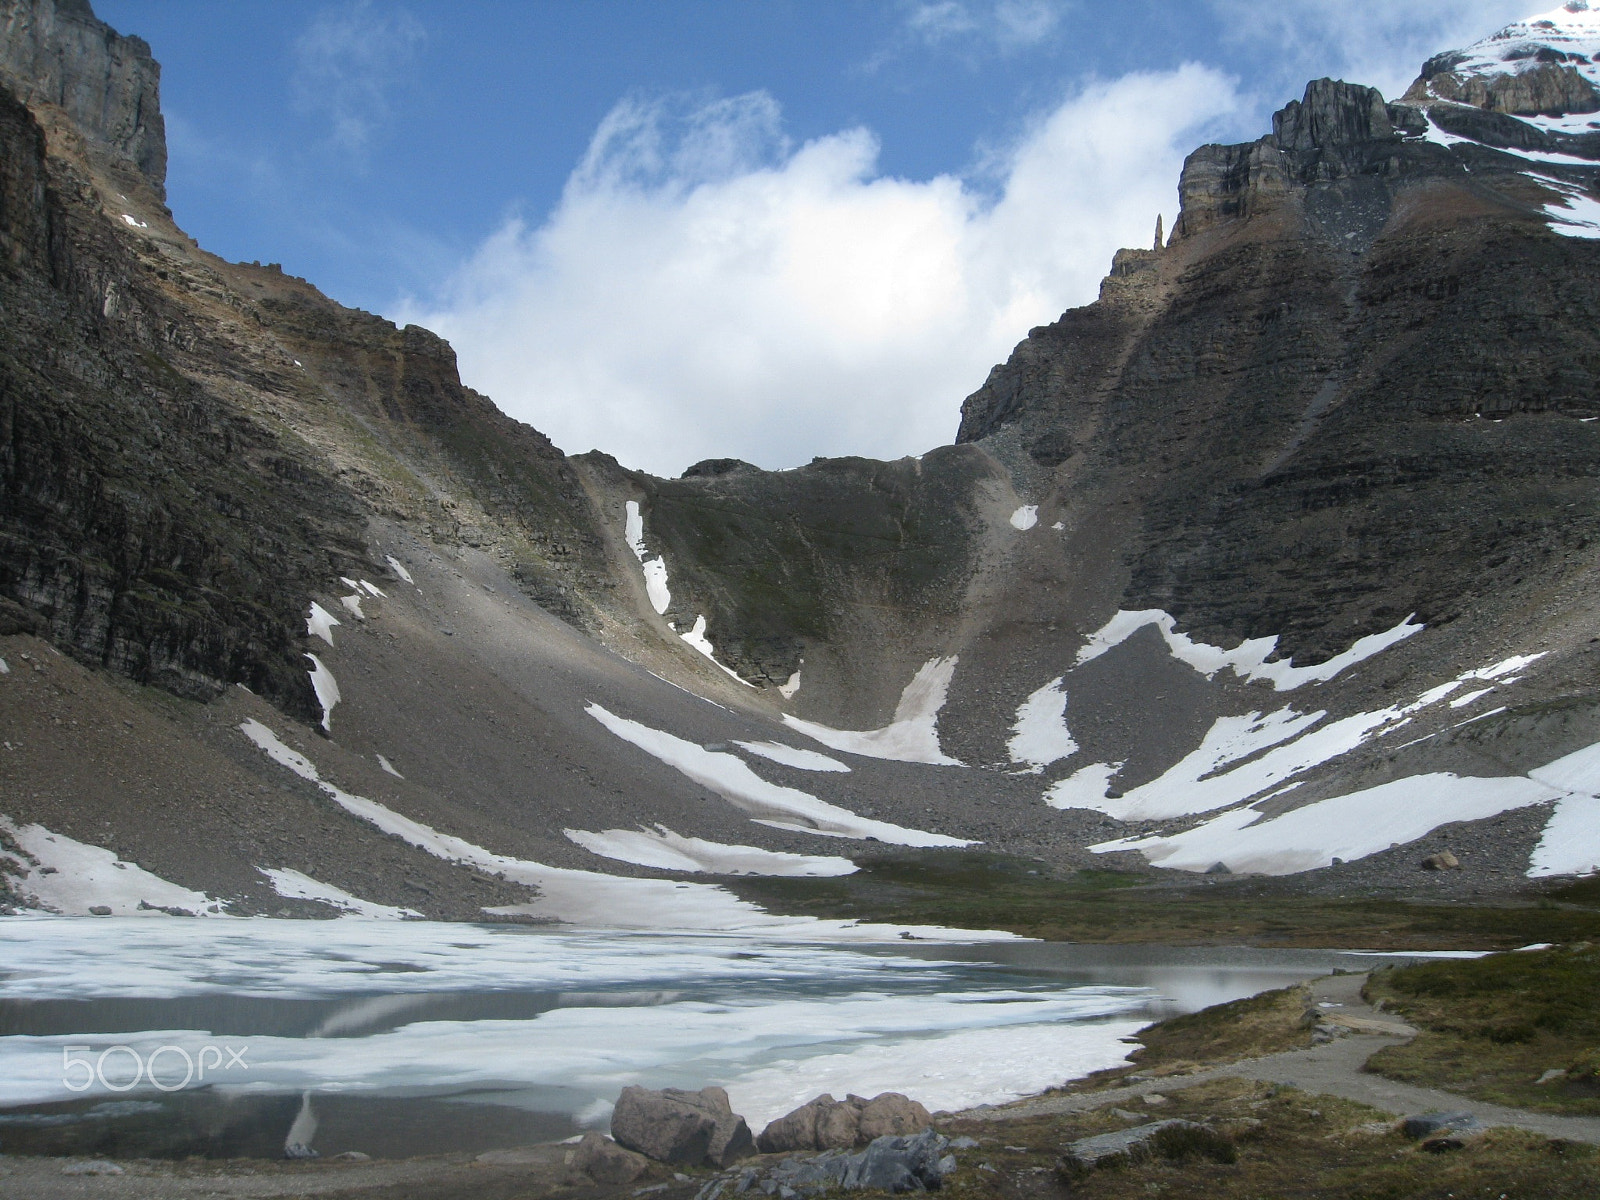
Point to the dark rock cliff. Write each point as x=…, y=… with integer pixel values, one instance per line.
x=1355, y=384
x=58, y=52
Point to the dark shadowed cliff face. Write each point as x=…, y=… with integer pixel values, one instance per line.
x=189, y=448
x=1356, y=384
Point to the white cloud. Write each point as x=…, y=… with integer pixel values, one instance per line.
x=346, y=63
x=1380, y=44
x=1008, y=25
x=706, y=289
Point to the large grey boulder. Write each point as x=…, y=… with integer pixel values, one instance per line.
x=829, y=1124
x=677, y=1126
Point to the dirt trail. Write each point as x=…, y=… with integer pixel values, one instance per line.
x=1334, y=1068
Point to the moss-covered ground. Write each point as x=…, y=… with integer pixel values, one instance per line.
x=988, y=891
x=1492, y=1028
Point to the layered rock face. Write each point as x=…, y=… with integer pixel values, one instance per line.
x=191, y=447
x=1355, y=385
x=58, y=52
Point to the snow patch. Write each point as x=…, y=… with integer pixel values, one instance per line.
x=388, y=767
x=320, y=623
x=81, y=877
x=4, y=669
x=326, y=688
x=696, y=637
x=1248, y=659
x=292, y=885
x=399, y=569
x=1084, y=788
x=374, y=590
x=352, y=605
x=789, y=756
x=1040, y=736
x=130, y=219
x=913, y=736
x=655, y=569
x=1025, y=517
x=1348, y=827
x=787, y=690
x=590, y=898
x=781, y=807
x=667, y=851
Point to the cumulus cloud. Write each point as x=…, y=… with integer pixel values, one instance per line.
x=1383, y=45
x=705, y=288
x=346, y=63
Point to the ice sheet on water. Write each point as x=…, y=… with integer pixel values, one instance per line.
x=59, y=957
x=913, y=735
x=992, y=1043
x=667, y=851
x=71, y=877
x=731, y=778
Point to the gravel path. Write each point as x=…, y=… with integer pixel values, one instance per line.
x=1334, y=1069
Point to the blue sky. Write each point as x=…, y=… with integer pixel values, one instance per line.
x=769, y=228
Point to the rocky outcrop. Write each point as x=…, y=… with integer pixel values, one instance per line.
x=888, y=1164
x=829, y=1124
x=57, y=52
x=603, y=1161
x=677, y=1126
x=1336, y=131
x=1549, y=89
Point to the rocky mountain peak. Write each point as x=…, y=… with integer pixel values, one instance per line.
x=1545, y=66
x=58, y=53
x=1336, y=131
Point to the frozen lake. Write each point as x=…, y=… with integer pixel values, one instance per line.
x=173, y=1037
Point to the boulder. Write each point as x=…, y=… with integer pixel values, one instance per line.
x=891, y=1115
x=677, y=1126
x=1442, y=861
x=889, y=1164
x=828, y=1124
x=1174, y=1139
x=1427, y=1126
x=603, y=1161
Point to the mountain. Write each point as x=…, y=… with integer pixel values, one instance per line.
x=1275, y=559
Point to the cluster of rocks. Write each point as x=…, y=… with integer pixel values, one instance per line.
x=700, y=1129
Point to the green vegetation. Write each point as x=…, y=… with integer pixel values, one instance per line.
x=972, y=890
x=1493, y=1027
x=1283, y=1143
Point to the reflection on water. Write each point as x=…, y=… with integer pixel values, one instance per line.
x=171, y=1039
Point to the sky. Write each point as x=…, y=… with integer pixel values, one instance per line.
x=763, y=229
